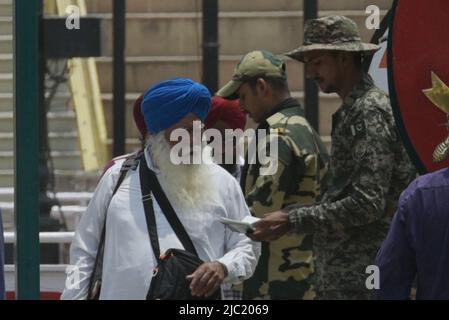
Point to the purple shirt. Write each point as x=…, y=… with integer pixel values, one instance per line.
x=2, y=247
x=417, y=244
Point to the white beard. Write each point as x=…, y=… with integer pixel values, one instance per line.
x=186, y=185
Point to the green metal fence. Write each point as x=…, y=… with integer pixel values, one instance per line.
x=26, y=144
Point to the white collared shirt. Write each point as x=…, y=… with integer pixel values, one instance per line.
x=128, y=257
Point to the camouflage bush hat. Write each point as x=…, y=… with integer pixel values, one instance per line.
x=255, y=63
x=331, y=33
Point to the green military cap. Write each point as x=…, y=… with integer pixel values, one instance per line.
x=255, y=63
x=331, y=33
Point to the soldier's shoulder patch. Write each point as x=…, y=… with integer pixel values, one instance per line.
x=358, y=128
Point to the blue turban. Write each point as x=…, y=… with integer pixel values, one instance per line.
x=169, y=101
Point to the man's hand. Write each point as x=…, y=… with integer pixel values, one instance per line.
x=207, y=278
x=271, y=227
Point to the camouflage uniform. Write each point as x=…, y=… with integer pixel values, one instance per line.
x=369, y=168
x=286, y=265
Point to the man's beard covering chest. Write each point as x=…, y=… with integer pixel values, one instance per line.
x=187, y=186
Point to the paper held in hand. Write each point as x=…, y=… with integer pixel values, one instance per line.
x=246, y=225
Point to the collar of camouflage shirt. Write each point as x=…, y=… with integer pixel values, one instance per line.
x=359, y=90
x=287, y=103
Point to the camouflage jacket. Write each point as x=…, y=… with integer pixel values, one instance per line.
x=369, y=168
x=286, y=265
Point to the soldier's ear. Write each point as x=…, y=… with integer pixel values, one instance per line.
x=262, y=85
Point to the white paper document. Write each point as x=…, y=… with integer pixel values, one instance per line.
x=246, y=225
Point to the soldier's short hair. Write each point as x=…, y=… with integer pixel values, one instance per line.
x=276, y=83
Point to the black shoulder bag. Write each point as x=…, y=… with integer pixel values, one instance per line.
x=169, y=277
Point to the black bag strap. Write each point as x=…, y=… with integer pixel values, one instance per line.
x=149, y=183
x=150, y=218
x=130, y=163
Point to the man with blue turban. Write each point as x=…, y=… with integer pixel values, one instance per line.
x=170, y=101
x=200, y=195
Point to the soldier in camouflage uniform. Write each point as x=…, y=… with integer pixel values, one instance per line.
x=286, y=266
x=369, y=166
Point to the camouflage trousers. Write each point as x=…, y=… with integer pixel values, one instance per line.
x=285, y=270
x=344, y=295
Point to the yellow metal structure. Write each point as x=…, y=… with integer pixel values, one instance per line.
x=86, y=98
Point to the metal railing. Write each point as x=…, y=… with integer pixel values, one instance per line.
x=44, y=237
x=52, y=276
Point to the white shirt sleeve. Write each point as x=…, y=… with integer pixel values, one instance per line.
x=242, y=254
x=83, y=249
